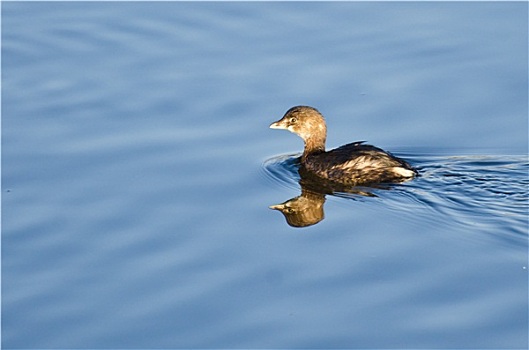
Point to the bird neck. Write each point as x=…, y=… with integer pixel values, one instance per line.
x=313, y=145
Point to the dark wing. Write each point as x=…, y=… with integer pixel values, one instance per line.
x=370, y=153
x=356, y=163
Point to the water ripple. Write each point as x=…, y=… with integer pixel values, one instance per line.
x=489, y=193
x=282, y=170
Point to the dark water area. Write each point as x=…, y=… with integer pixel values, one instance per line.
x=138, y=170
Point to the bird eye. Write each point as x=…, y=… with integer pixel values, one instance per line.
x=293, y=119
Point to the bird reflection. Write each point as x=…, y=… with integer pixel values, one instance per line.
x=303, y=210
x=307, y=208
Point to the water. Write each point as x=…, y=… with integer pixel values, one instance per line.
x=138, y=167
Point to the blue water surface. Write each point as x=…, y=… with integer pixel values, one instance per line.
x=138, y=168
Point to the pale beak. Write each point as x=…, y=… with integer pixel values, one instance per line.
x=277, y=125
x=277, y=206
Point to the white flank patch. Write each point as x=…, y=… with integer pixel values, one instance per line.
x=403, y=172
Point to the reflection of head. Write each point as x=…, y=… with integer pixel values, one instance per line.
x=304, y=210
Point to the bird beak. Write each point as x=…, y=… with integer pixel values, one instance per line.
x=276, y=125
x=277, y=206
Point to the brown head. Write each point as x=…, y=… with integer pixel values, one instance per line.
x=306, y=122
